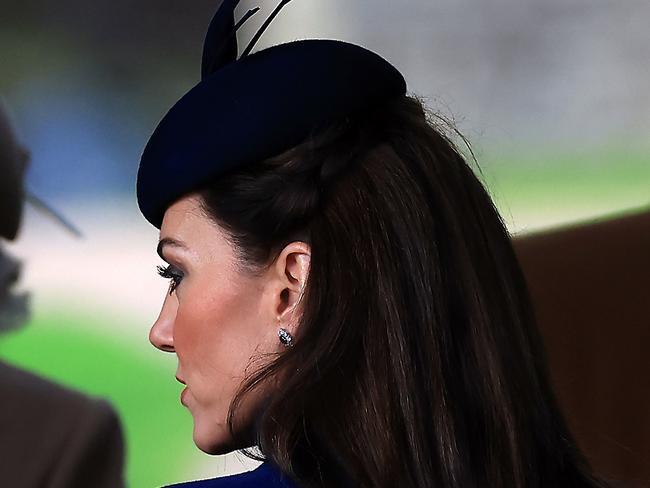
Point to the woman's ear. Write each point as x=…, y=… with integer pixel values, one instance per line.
x=291, y=270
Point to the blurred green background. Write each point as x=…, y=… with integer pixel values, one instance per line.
x=553, y=100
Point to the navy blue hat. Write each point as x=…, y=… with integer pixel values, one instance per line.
x=255, y=107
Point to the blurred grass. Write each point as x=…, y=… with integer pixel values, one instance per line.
x=544, y=188
x=70, y=348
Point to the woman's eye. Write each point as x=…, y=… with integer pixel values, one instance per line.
x=173, y=274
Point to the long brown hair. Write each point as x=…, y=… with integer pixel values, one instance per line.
x=417, y=361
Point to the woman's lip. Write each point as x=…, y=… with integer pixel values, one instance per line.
x=179, y=380
x=183, y=396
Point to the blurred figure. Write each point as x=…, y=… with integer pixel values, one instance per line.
x=590, y=285
x=50, y=436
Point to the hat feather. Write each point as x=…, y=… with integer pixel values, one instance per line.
x=220, y=45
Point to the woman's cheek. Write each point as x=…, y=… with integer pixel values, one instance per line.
x=200, y=330
x=184, y=335
x=190, y=335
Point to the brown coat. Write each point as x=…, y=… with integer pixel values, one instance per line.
x=54, y=437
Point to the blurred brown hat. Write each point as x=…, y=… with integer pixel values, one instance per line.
x=14, y=159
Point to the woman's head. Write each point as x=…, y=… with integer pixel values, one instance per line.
x=219, y=318
x=416, y=360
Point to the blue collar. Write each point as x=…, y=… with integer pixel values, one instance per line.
x=266, y=475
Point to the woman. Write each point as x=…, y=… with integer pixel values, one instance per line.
x=344, y=294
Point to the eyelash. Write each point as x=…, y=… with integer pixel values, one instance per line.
x=171, y=273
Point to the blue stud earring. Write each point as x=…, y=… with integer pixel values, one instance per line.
x=285, y=337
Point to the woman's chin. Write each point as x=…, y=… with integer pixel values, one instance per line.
x=217, y=441
x=213, y=436
x=214, y=439
x=212, y=449
x=210, y=441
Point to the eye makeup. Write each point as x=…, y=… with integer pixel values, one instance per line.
x=173, y=274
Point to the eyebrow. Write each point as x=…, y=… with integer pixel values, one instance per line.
x=168, y=241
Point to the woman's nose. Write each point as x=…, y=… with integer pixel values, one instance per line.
x=161, y=334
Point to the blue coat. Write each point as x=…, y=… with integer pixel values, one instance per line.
x=266, y=475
